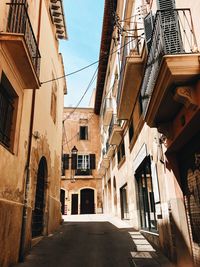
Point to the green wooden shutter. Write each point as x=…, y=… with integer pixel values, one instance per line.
x=92, y=161
x=65, y=161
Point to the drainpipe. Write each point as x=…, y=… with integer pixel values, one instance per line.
x=27, y=167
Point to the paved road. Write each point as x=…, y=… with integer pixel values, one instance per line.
x=91, y=244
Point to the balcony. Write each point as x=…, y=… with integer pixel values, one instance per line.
x=19, y=42
x=130, y=78
x=101, y=169
x=172, y=62
x=83, y=172
x=115, y=131
x=109, y=150
x=107, y=111
x=105, y=159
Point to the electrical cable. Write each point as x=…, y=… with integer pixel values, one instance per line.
x=88, y=87
x=81, y=69
x=68, y=141
x=91, y=81
x=71, y=73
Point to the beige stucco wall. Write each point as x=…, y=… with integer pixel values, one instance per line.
x=173, y=235
x=48, y=145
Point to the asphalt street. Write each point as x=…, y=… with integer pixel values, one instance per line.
x=92, y=244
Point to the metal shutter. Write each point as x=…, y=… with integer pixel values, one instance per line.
x=170, y=26
x=148, y=29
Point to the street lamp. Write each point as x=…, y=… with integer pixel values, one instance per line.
x=74, y=150
x=73, y=157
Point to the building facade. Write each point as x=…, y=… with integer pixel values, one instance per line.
x=147, y=99
x=31, y=106
x=81, y=191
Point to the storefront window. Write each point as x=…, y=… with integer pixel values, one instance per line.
x=146, y=196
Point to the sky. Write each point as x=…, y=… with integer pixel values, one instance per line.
x=84, y=24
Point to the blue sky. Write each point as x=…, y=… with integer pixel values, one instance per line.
x=84, y=24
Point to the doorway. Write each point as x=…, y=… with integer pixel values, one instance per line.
x=38, y=212
x=87, y=201
x=123, y=200
x=74, y=207
x=62, y=200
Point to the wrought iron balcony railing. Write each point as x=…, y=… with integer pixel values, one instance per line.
x=173, y=34
x=19, y=22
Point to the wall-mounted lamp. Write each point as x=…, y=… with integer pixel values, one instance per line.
x=36, y=135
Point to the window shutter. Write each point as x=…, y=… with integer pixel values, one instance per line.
x=74, y=162
x=170, y=25
x=92, y=161
x=65, y=161
x=163, y=4
x=148, y=28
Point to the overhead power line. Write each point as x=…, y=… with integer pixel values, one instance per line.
x=88, y=87
x=71, y=73
x=93, y=79
x=86, y=67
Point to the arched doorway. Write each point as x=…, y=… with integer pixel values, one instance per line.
x=62, y=200
x=87, y=201
x=38, y=211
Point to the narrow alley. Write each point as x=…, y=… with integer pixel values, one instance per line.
x=94, y=241
x=99, y=133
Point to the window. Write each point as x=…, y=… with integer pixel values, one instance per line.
x=121, y=152
x=8, y=107
x=53, y=100
x=85, y=164
x=146, y=196
x=83, y=133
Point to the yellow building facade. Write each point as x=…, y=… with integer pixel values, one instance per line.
x=30, y=123
x=81, y=191
x=147, y=99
